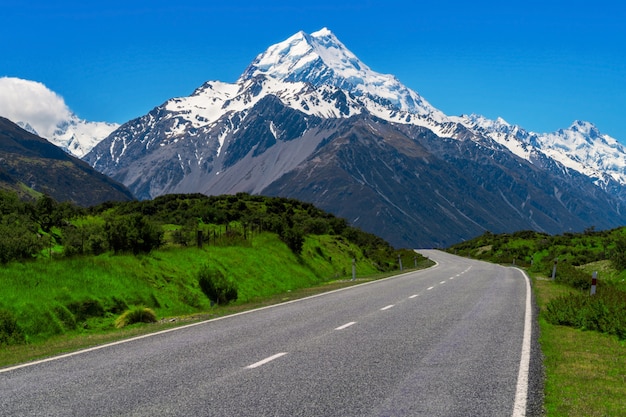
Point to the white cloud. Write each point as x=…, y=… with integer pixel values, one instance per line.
x=32, y=102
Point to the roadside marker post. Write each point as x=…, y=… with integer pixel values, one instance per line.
x=594, y=278
x=556, y=261
x=353, y=269
x=400, y=262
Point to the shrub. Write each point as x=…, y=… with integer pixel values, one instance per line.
x=572, y=276
x=10, y=332
x=216, y=286
x=618, y=256
x=604, y=312
x=136, y=315
x=294, y=238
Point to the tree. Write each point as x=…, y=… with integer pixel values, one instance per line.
x=133, y=233
x=294, y=238
x=18, y=238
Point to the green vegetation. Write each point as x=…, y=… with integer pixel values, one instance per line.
x=71, y=271
x=136, y=315
x=216, y=286
x=572, y=257
x=582, y=335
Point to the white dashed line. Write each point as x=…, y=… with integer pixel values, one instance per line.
x=429, y=288
x=387, y=307
x=442, y=282
x=414, y=295
x=346, y=325
x=266, y=360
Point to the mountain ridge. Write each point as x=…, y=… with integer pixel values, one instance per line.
x=273, y=124
x=31, y=165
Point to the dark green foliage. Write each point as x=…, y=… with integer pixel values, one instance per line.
x=87, y=239
x=136, y=226
x=18, y=238
x=604, y=312
x=618, y=255
x=216, y=286
x=294, y=238
x=133, y=233
x=572, y=276
x=10, y=331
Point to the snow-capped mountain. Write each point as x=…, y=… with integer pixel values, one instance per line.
x=78, y=137
x=321, y=59
x=40, y=111
x=308, y=119
x=581, y=147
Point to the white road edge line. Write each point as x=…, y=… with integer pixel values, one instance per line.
x=387, y=307
x=266, y=360
x=521, y=392
x=345, y=326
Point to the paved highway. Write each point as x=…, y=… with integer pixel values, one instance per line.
x=452, y=340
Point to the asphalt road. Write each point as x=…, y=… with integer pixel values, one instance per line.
x=447, y=341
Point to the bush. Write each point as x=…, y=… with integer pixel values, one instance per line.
x=216, y=286
x=573, y=277
x=136, y=315
x=10, y=331
x=604, y=312
x=294, y=238
x=618, y=256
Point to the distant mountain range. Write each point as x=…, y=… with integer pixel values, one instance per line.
x=307, y=119
x=30, y=166
x=37, y=109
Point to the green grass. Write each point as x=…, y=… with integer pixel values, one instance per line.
x=83, y=296
x=585, y=370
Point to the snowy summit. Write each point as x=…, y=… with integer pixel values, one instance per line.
x=321, y=59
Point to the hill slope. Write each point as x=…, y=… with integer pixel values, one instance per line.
x=32, y=165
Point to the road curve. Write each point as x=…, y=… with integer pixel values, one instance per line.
x=446, y=341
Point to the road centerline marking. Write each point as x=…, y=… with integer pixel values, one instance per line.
x=387, y=307
x=414, y=295
x=346, y=325
x=429, y=288
x=266, y=360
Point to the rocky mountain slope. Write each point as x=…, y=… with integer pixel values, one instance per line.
x=308, y=120
x=30, y=165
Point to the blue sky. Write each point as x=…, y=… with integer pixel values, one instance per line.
x=539, y=64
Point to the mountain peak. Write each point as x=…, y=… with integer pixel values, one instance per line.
x=302, y=55
x=321, y=59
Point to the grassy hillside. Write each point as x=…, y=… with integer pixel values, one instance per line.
x=70, y=271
